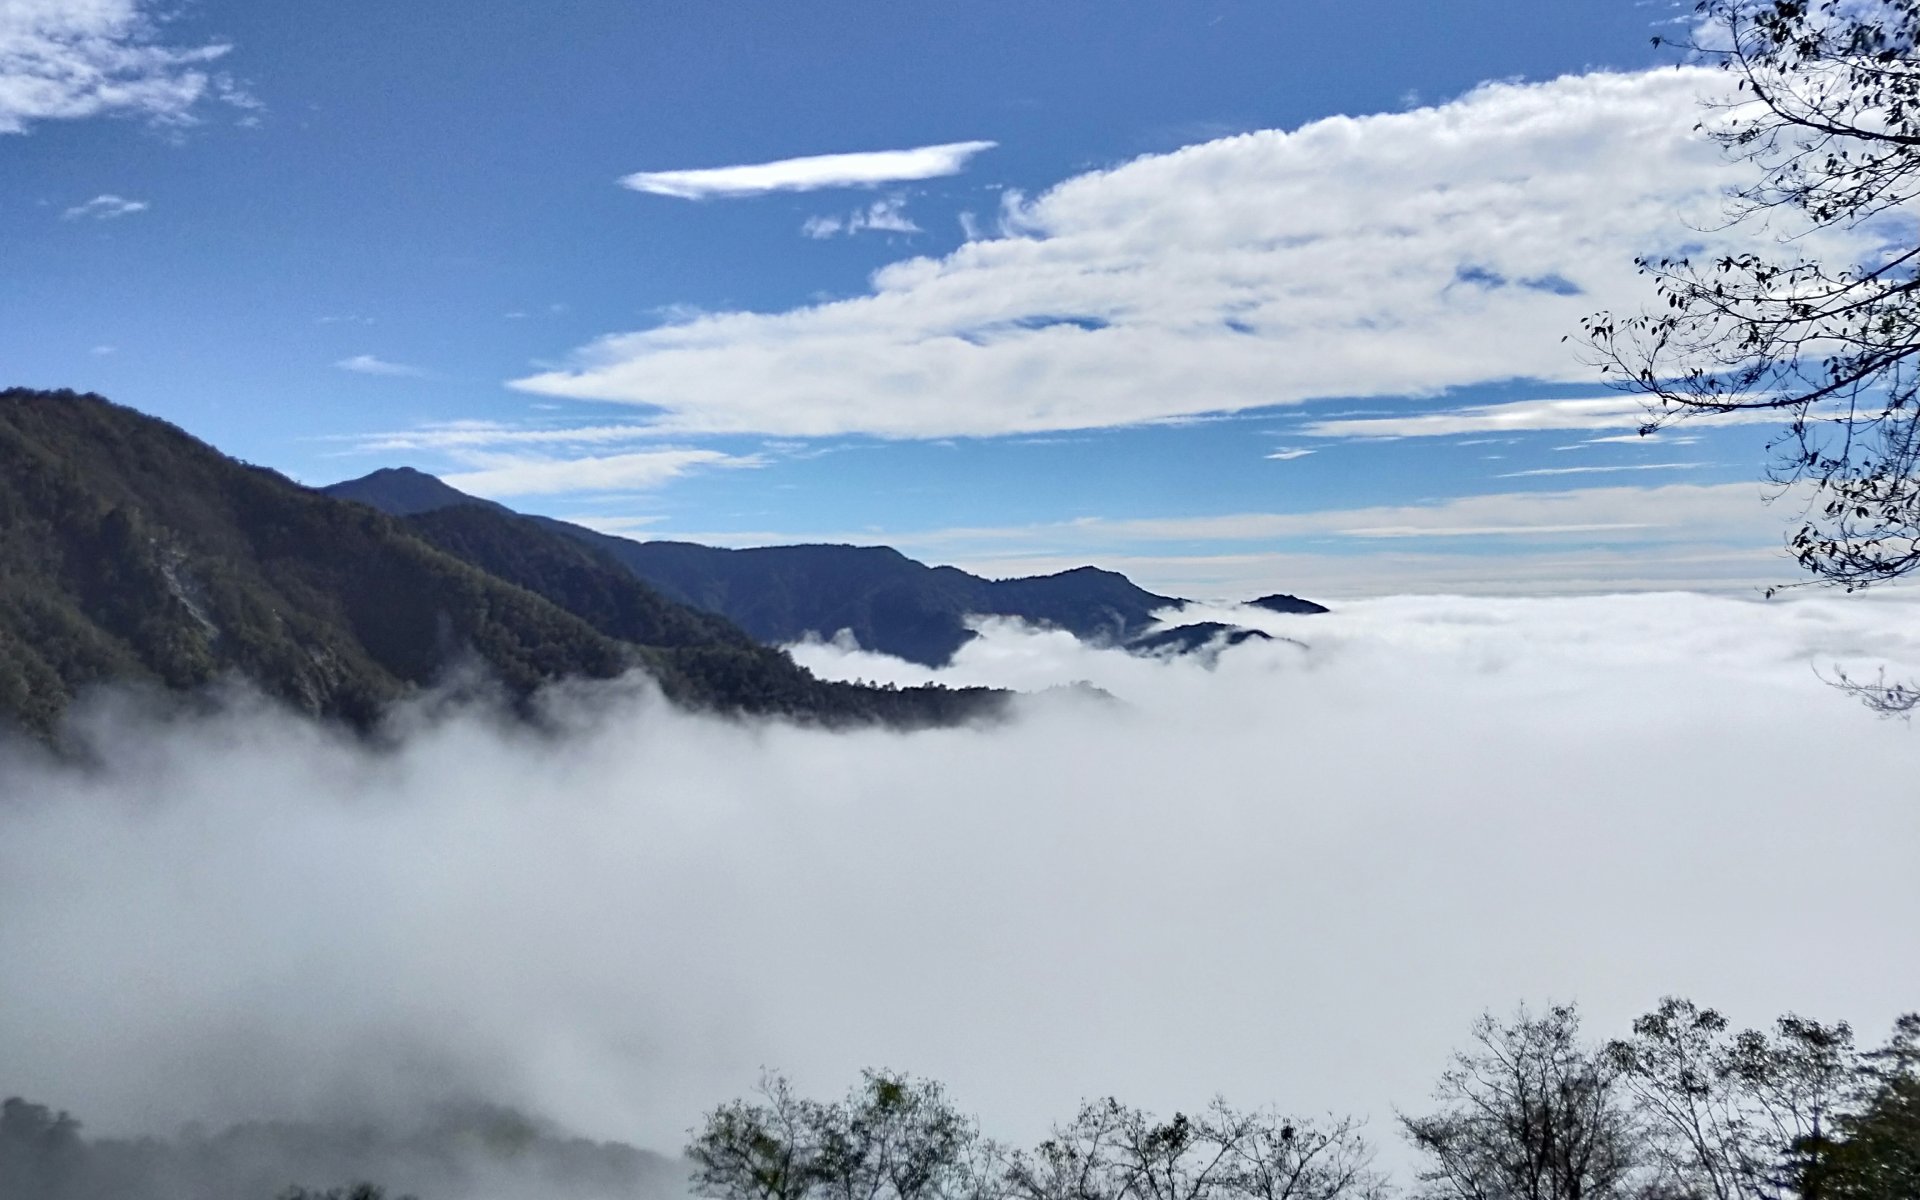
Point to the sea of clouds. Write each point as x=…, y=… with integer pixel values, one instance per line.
x=1291, y=874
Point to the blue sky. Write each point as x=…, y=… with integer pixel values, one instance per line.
x=1235, y=297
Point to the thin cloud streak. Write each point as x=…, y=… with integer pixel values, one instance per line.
x=500, y=476
x=454, y=435
x=1521, y=416
x=863, y=169
x=1575, y=541
x=1606, y=470
x=1685, y=510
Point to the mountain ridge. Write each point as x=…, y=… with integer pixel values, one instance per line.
x=891, y=603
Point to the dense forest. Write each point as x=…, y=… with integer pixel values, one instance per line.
x=1683, y=1106
x=132, y=553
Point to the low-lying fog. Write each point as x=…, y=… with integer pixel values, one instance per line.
x=1295, y=876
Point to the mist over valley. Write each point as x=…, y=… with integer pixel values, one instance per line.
x=1007, y=601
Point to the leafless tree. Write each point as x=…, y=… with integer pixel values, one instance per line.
x=1826, y=107
x=1738, y=1115
x=1110, y=1151
x=1532, y=1113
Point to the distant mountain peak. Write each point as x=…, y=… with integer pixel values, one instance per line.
x=1086, y=572
x=1281, y=602
x=402, y=492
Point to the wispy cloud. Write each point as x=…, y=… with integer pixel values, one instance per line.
x=1577, y=540
x=367, y=364
x=866, y=169
x=473, y=435
x=1667, y=466
x=1632, y=439
x=513, y=475
x=104, y=207
x=886, y=215
x=1289, y=453
x=1397, y=254
x=1518, y=416
x=1690, y=512
x=61, y=60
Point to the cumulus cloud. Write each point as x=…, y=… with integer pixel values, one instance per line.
x=104, y=207
x=1295, y=877
x=61, y=60
x=367, y=364
x=865, y=169
x=501, y=475
x=1400, y=253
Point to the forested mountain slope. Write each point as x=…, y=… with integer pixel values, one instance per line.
x=130, y=551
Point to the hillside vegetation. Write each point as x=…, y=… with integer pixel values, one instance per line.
x=132, y=552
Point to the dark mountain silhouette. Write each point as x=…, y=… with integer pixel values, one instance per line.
x=1280, y=602
x=782, y=594
x=132, y=552
x=1186, y=639
x=403, y=492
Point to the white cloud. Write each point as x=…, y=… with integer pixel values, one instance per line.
x=865, y=169
x=104, y=207
x=1402, y=253
x=1632, y=439
x=367, y=364
x=67, y=59
x=494, y=462
x=1608, y=470
x=456, y=435
x=1519, y=416
x=500, y=476
x=1221, y=884
x=886, y=215
x=1289, y=453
